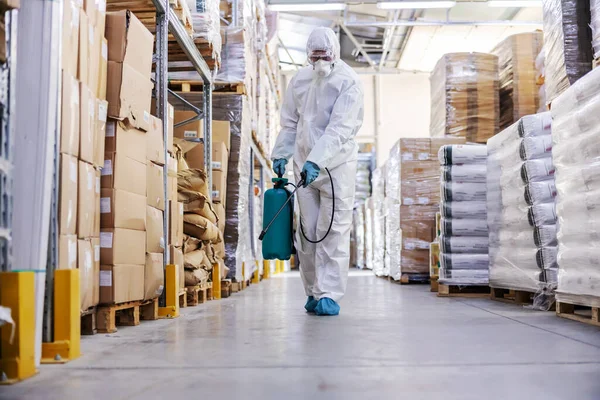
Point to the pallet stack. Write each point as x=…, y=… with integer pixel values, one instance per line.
x=521, y=210
x=412, y=200
x=465, y=97
x=568, y=44
x=378, y=198
x=519, y=87
x=576, y=155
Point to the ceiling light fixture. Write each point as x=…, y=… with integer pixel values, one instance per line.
x=307, y=7
x=396, y=5
x=515, y=3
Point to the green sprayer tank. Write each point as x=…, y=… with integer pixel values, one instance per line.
x=277, y=243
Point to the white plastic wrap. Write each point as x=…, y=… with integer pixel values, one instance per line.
x=595, y=13
x=378, y=181
x=359, y=235
x=464, y=227
x=458, y=191
x=464, y=173
x=369, y=245
x=577, y=176
x=518, y=210
x=462, y=154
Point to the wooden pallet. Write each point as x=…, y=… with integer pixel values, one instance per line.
x=434, y=285
x=409, y=279
x=514, y=296
x=145, y=11
x=125, y=314
x=198, y=86
x=585, y=314
x=236, y=287
x=88, y=321
x=226, y=288
x=463, y=291
x=198, y=294
x=182, y=298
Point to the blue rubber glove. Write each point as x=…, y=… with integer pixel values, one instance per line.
x=326, y=306
x=311, y=304
x=279, y=166
x=311, y=170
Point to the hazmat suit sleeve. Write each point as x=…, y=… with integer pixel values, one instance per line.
x=345, y=121
x=286, y=140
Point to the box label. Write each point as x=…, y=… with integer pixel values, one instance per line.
x=408, y=201
x=104, y=51
x=105, y=278
x=146, y=117
x=216, y=164
x=110, y=130
x=407, y=157
x=73, y=173
x=92, y=108
x=215, y=194
x=75, y=17
x=97, y=185
x=102, y=111
x=72, y=252
x=107, y=170
x=190, y=134
x=423, y=156
x=101, y=5
x=181, y=209
x=106, y=240
x=97, y=253
x=409, y=246
x=90, y=180
x=423, y=200
x=105, y=205
x=171, y=112
x=91, y=34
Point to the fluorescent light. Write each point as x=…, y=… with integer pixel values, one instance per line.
x=308, y=7
x=394, y=5
x=515, y=3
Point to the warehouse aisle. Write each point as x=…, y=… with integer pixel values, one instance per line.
x=390, y=340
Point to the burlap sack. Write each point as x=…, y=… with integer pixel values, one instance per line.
x=196, y=277
x=194, y=180
x=194, y=259
x=191, y=244
x=199, y=227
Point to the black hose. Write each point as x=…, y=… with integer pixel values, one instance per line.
x=332, y=215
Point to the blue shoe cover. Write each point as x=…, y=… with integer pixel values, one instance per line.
x=311, y=303
x=326, y=306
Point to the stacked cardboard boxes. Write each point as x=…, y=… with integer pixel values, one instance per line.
x=412, y=200
x=83, y=123
x=5, y=5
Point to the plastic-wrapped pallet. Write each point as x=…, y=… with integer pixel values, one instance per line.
x=363, y=179
x=464, y=257
x=576, y=153
x=464, y=97
x=412, y=200
x=359, y=235
x=595, y=14
x=521, y=204
x=540, y=67
x=378, y=181
x=369, y=233
x=519, y=87
x=568, y=44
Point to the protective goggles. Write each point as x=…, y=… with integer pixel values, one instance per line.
x=318, y=55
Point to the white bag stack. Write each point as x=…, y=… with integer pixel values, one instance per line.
x=464, y=232
x=378, y=196
x=521, y=206
x=576, y=152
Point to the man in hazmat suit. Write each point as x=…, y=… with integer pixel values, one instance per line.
x=320, y=116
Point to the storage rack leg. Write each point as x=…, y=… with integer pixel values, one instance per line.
x=266, y=269
x=17, y=291
x=256, y=275
x=216, y=281
x=171, y=309
x=67, y=324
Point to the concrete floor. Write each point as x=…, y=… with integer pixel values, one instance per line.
x=390, y=342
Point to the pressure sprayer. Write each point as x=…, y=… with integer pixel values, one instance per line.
x=278, y=233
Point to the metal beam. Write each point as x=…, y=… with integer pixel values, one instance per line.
x=388, y=36
x=413, y=15
x=358, y=46
x=287, y=52
x=383, y=24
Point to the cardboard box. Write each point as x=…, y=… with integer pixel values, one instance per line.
x=70, y=113
x=129, y=95
x=96, y=37
x=86, y=200
x=170, y=121
x=176, y=223
x=103, y=70
x=221, y=132
x=121, y=283
x=100, y=132
x=122, y=246
x=67, y=252
x=195, y=157
x=424, y=149
x=85, y=263
x=122, y=172
x=177, y=259
x=96, y=248
x=84, y=43
x=220, y=157
x=6, y=5
x=67, y=213
x=125, y=141
x=87, y=124
x=97, y=204
x=155, y=146
x=191, y=130
x=100, y=21
x=172, y=188
x=70, y=37
x=154, y=276
x=155, y=186
x=122, y=209
x=89, y=6
x=219, y=186
x=155, y=239
x=129, y=41
x=220, y=210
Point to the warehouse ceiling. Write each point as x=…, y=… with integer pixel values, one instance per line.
x=389, y=41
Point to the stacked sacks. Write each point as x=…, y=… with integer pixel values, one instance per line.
x=359, y=236
x=576, y=152
x=464, y=234
x=568, y=44
x=378, y=197
x=369, y=245
x=203, y=242
x=521, y=206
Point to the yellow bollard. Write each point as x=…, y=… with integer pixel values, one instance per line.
x=256, y=275
x=216, y=281
x=67, y=319
x=171, y=309
x=17, y=292
x=266, y=269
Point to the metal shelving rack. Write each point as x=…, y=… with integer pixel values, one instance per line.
x=166, y=22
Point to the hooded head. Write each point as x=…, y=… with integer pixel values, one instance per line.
x=322, y=50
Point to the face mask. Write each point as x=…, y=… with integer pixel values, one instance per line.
x=323, y=68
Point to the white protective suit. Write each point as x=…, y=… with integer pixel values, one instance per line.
x=319, y=120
